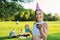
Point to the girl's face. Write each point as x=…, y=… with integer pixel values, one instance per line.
x=39, y=15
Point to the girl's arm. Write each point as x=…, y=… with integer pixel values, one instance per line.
x=44, y=33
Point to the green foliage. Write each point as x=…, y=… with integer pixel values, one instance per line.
x=24, y=1
x=49, y=17
x=14, y=11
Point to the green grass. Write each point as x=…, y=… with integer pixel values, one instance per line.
x=7, y=26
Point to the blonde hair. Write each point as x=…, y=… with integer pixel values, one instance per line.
x=35, y=14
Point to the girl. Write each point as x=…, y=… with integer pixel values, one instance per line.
x=39, y=33
x=26, y=29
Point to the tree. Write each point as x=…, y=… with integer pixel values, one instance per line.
x=24, y=1
x=49, y=16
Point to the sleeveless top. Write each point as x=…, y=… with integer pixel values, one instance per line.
x=35, y=30
x=26, y=29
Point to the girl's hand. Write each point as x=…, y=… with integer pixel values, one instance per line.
x=39, y=26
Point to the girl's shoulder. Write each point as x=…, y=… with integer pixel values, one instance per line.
x=45, y=22
x=46, y=25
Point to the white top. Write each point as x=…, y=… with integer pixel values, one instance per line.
x=35, y=30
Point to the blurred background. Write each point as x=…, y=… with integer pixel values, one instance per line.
x=23, y=11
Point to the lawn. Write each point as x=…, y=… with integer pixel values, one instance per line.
x=7, y=26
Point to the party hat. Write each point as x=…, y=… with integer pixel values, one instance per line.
x=37, y=7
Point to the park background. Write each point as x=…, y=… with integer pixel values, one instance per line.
x=13, y=10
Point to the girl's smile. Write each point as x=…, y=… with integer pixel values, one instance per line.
x=39, y=15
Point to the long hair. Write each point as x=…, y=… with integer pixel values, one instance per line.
x=35, y=15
